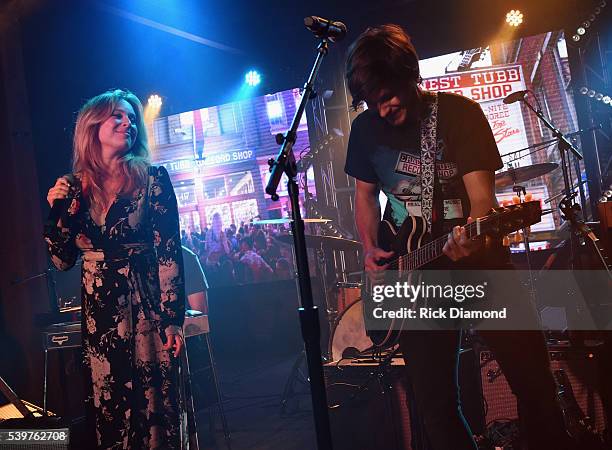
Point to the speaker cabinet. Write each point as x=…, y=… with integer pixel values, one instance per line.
x=368, y=408
x=579, y=366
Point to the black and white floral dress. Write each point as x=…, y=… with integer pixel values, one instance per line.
x=132, y=295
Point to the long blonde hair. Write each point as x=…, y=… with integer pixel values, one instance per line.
x=87, y=150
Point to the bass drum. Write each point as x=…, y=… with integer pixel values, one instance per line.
x=349, y=331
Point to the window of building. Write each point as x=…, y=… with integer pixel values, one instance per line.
x=214, y=187
x=275, y=110
x=240, y=183
x=210, y=121
x=185, y=195
x=228, y=119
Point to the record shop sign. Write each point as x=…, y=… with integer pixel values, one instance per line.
x=221, y=158
x=210, y=160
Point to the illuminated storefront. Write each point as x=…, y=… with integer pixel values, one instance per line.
x=217, y=158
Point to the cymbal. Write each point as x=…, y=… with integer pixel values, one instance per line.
x=518, y=175
x=314, y=241
x=286, y=220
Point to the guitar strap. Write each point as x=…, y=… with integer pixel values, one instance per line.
x=429, y=128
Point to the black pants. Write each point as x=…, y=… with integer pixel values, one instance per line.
x=431, y=361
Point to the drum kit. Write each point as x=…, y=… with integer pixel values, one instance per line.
x=344, y=325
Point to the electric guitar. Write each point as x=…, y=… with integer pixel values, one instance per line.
x=414, y=249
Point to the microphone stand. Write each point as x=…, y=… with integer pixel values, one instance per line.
x=308, y=313
x=564, y=147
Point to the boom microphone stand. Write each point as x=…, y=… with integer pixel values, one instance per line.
x=327, y=31
x=565, y=147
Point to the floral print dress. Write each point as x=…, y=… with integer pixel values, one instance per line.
x=132, y=295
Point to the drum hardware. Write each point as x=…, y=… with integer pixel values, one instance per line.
x=515, y=175
x=328, y=242
x=547, y=143
x=566, y=150
x=554, y=197
x=573, y=214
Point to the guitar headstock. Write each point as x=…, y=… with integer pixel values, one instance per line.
x=507, y=219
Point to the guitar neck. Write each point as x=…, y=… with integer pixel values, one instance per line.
x=433, y=250
x=502, y=220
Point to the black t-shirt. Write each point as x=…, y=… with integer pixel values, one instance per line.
x=390, y=156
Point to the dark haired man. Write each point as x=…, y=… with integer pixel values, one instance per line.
x=434, y=156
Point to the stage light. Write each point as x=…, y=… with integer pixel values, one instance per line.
x=514, y=18
x=583, y=28
x=595, y=95
x=152, y=108
x=155, y=101
x=252, y=78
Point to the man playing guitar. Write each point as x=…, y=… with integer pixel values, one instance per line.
x=388, y=149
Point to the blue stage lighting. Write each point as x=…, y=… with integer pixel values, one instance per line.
x=252, y=78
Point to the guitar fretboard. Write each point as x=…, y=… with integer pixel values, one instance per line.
x=432, y=250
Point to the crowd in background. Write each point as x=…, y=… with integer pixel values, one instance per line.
x=241, y=254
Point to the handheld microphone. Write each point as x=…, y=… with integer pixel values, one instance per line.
x=60, y=205
x=324, y=28
x=515, y=97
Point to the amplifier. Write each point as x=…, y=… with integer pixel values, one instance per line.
x=68, y=334
x=578, y=364
x=368, y=411
x=62, y=335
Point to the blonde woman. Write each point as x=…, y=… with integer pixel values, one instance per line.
x=123, y=220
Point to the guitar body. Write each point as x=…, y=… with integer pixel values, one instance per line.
x=401, y=241
x=410, y=236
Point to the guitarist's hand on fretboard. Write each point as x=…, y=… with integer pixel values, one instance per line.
x=375, y=262
x=459, y=245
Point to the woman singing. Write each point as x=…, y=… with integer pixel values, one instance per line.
x=123, y=219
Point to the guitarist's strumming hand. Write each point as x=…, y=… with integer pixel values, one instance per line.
x=375, y=264
x=458, y=245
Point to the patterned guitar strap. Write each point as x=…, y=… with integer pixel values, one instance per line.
x=429, y=140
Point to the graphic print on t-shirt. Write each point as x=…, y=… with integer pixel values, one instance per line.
x=405, y=194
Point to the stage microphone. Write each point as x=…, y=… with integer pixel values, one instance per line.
x=515, y=97
x=324, y=28
x=60, y=205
